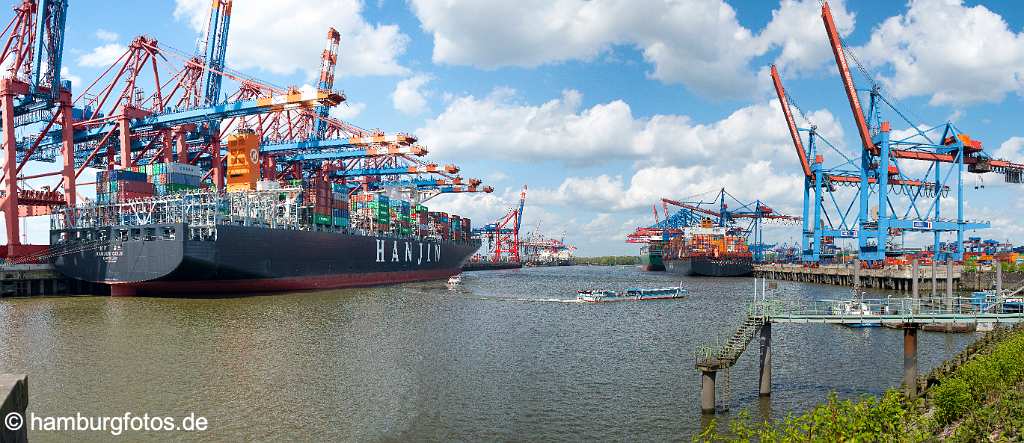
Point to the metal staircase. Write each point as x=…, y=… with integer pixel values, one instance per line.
x=725, y=355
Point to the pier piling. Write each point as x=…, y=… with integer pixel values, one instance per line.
x=999, y=278
x=707, y=392
x=949, y=284
x=766, y=360
x=915, y=273
x=910, y=360
x=856, y=273
x=935, y=286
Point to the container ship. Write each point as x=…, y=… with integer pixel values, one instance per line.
x=650, y=256
x=151, y=231
x=708, y=251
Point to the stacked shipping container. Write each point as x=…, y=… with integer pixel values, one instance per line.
x=121, y=185
x=171, y=178
x=329, y=203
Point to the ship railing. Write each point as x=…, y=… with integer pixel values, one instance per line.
x=196, y=208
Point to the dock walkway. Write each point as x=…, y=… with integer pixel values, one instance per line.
x=910, y=314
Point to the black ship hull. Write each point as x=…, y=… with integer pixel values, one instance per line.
x=710, y=267
x=171, y=259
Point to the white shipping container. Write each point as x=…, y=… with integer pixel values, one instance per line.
x=266, y=185
x=183, y=168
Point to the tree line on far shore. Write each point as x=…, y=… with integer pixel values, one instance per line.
x=609, y=260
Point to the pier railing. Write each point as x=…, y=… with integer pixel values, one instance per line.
x=891, y=309
x=991, y=309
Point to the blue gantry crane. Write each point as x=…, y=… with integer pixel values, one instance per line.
x=877, y=197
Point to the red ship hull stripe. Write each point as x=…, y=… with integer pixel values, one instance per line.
x=312, y=282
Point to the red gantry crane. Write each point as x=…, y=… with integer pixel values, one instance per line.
x=502, y=236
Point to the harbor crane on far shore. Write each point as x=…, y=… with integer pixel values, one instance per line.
x=502, y=236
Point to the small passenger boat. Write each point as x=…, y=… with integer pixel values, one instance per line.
x=631, y=294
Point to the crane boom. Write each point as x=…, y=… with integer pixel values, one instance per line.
x=691, y=207
x=519, y=214
x=844, y=73
x=793, y=132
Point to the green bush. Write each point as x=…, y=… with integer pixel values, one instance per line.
x=952, y=399
x=868, y=419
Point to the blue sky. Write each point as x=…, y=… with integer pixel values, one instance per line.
x=602, y=107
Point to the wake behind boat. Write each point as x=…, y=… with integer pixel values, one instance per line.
x=630, y=294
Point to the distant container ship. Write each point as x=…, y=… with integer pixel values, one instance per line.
x=651, y=256
x=708, y=251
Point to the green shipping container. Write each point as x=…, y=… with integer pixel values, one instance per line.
x=341, y=221
x=321, y=219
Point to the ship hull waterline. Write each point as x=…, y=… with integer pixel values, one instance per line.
x=710, y=267
x=247, y=259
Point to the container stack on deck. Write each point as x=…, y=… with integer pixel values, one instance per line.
x=401, y=219
x=171, y=178
x=121, y=185
x=420, y=221
x=328, y=202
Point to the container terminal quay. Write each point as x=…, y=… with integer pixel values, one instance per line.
x=233, y=240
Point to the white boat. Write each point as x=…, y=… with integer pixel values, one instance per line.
x=631, y=294
x=454, y=280
x=854, y=308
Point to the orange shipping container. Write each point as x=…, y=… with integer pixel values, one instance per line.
x=243, y=161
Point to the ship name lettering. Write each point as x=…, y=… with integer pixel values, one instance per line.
x=380, y=251
x=408, y=252
x=394, y=255
x=437, y=252
x=419, y=260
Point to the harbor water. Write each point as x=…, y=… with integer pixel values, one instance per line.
x=507, y=355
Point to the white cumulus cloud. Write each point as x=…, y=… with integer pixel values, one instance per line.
x=797, y=30
x=285, y=36
x=953, y=53
x=753, y=180
x=105, y=35
x=1012, y=149
x=347, y=110
x=501, y=127
x=408, y=98
x=102, y=56
x=697, y=43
